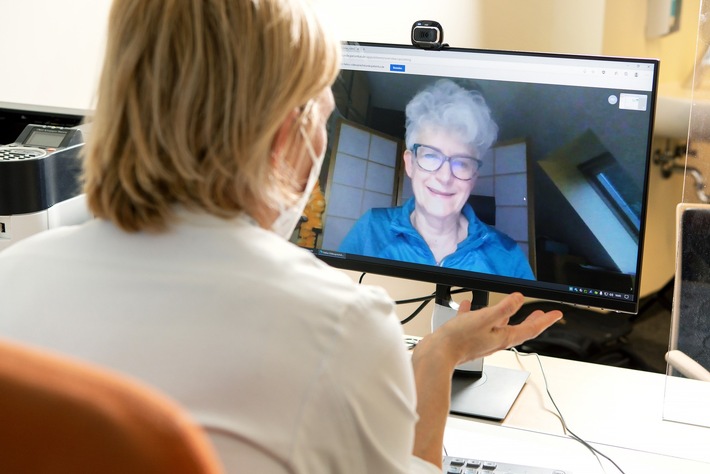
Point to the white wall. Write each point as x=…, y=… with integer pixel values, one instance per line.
x=390, y=21
x=51, y=51
x=574, y=26
x=54, y=56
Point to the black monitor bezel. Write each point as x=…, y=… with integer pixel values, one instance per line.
x=491, y=283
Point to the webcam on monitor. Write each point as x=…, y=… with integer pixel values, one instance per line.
x=428, y=34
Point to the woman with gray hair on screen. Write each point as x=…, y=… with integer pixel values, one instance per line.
x=449, y=130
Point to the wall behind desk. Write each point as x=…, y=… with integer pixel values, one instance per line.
x=54, y=48
x=52, y=51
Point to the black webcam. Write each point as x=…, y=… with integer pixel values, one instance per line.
x=428, y=34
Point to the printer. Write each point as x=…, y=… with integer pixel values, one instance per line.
x=40, y=182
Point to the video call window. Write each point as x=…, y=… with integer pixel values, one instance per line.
x=561, y=186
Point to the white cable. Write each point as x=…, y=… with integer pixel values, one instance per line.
x=569, y=433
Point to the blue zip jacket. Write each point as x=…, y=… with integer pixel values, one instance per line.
x=388, y=233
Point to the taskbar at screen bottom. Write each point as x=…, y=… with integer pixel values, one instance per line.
x=586, y=296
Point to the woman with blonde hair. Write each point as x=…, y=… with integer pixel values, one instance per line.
x=207, y=137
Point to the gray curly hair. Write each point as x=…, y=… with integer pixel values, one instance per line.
x=446, y=105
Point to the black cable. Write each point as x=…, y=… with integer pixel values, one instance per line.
x=415, y=312
x=423, y=299
x=417, y=300
x=428, y=297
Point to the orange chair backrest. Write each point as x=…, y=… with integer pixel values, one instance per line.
x=59, y=415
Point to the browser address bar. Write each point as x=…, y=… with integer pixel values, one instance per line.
x=499, y=68
x=497, y=64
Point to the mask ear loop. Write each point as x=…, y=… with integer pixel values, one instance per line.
x=308, y=144
x=289, y=216
x=307, y=116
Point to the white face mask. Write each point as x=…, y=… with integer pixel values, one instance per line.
x=285, y=223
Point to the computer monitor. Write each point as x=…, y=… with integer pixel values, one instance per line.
x=554, y=208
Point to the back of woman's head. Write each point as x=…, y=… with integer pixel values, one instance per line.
x=445, y=105
x=191, y=97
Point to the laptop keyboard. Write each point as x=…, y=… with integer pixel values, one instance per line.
x=453, y=465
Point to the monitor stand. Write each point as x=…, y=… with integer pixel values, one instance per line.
x=477, y=391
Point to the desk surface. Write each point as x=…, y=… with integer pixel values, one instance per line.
x=620, y=411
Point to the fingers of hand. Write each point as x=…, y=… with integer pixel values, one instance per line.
x=540, y=320
x=499, y=314
x=533, y=325
x=464, y=307
x=489, y=326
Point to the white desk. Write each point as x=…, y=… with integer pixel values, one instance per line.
x=619, y=411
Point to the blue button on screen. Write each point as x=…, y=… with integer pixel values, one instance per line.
x=397, y=67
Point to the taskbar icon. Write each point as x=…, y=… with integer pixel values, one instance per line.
x=602, y=293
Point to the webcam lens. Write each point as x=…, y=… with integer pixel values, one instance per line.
x=425, y=34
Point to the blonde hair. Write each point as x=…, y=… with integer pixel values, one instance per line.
x=191, y=97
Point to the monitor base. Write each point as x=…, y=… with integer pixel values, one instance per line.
x=489, y=395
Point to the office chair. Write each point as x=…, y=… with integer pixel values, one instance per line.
x=62, y=416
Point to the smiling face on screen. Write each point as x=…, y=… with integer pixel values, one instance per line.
x=440, y=194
